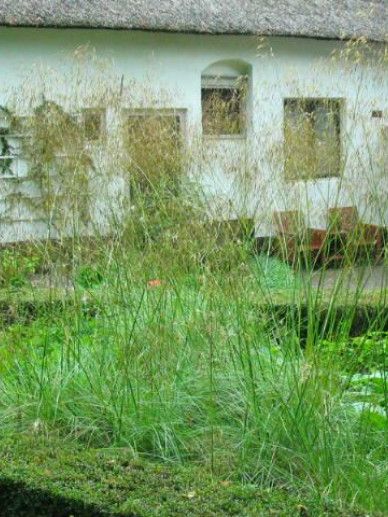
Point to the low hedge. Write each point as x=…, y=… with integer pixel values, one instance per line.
x=366, y=314
x=50, y=478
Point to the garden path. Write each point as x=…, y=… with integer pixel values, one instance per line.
x=370, y=278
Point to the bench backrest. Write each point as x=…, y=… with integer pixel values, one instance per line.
x=290, y=222
x=343, y=219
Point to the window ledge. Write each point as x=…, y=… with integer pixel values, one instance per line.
x=312, y=180
x=224, y=137
x=8, y=177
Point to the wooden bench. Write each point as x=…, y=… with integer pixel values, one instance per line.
x=296, y=241
x=349, y=236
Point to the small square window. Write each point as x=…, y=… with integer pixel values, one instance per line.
x=377, y=114
x=223, y=107
x=150, y=124
x=93, y=124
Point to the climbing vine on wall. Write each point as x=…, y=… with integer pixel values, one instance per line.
x=59, y=161
x=59, y=164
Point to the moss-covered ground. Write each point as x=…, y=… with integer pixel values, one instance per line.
x=50, y=477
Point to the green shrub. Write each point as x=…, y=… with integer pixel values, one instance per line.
x=17, y=267
x=363, y=354
x=89, y=276
x=362, y=364
x=275, y=275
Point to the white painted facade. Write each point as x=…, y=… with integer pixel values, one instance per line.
x=171, y=66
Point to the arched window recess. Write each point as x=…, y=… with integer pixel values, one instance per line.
x=224, y=95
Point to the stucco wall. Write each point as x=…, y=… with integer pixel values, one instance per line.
x=171, y=66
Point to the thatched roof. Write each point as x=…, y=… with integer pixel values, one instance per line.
x=332, y=19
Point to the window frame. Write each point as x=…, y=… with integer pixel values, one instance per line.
x=214, y=82
x=180, y=113
x=341, y=104
x=384, y=144
x=10, y=133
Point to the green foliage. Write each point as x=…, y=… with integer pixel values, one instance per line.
x=172, y=236
x=89, y=276
x=367, y=353
x=362, y=364
x=368, y=395
x=17, y=267
x=275, y=274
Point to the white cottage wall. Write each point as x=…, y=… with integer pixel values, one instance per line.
x=281, y=68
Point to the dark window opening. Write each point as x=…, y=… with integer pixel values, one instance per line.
x=377, y=114
x=93, y=124
x=312, y=130
x=223, y=110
